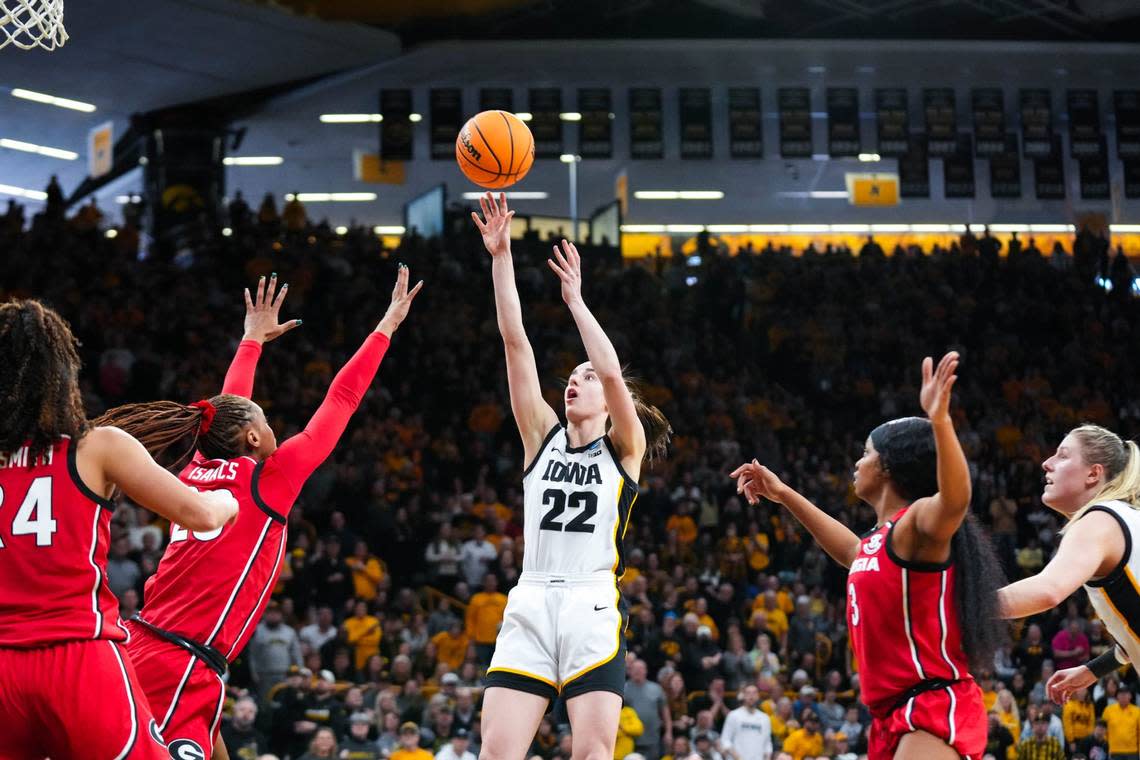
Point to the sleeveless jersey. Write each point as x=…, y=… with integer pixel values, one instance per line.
x=576, y=507
x=55, y=534
x=1116, y=597
x=212, y=587
x=903, y=621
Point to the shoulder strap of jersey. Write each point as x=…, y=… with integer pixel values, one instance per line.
x=542, y=449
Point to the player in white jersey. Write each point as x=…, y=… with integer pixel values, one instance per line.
x=1094, y=480
x=562, y=631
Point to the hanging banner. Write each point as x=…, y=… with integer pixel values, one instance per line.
x=795, y=122
x=446, y=112
x=989, y=121
x=892, y=121
x=546, y=121
x=1126, y=104
x=1085, y=138
x=745, y=123
x=497, y=99
x=958, y=170
x=100, y=150
x=1036, y=123
x=646, y=136
x=396, y=128
x=941, y=110
x=1005, y=170
x=1094, y=178
x=696, y=122
x=872, y=189
x=595, y=130
x=843, y=138
x=914, y=169
x=1049, y=174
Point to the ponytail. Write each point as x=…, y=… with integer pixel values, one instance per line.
x=172, y=432
x=1121, y=462
x=658, y=431
x=978, y=575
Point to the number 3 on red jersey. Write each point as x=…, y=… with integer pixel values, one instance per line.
x=854, y=604
x=33, y=518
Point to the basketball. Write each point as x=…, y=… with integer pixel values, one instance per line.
x=494, y=149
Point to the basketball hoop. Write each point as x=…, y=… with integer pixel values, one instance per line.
x=31, y=23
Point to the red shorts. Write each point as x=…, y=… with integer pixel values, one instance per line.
x=185, y=695
x=79, y=699
x=955, y=714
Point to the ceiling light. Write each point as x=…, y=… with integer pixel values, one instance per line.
x=869, y=157
x=807, y=228
x=1060, y=228
x=111, y=233
x=930, y=228
x=727, y=228
x=524, y=115
x=701, y=195
x=569, y=158
x=19, y=192
x=518, y=195
x=674, y=195
x=125, y=199
x=851, y=228
x=415, y=118
x=890, y=228
x=570, y=116
x=253, y=160
x=777, y=228
x=684, y=228
x=28, y=147
x=643, y=228
x=226, y=232
x=1009, y=228
x=51, y=100
x=814, y=194
x=350, y=118
x=390, y=229
x=333, y=197
x=342, y=230
x=977, y=228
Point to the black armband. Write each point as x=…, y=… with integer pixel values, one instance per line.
x=1104, y=664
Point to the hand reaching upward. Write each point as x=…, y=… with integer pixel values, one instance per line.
x=495, y=227
x=262, y=312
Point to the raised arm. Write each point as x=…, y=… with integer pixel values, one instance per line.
x=290, y=465
x=261, y=326
x=533, y=415
x=756, y=481
x=938, y=517
x=626, y=432
x=108, y=457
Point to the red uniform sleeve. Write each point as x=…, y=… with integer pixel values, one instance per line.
x=286, y=470
x=239, y=377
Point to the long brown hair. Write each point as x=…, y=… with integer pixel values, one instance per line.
x=658, y=431
x=39, y=378
x=172, y=432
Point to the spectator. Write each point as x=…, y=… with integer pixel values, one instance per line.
x=322, y=746
x=484, y=615
x=123, y=573
x=320, y=709
x=630, y=729
x=1123, y=722
x=476, y=555
x=458, y=748
x=1040, y=745
x=317, y=634
x=367, y=571
x=1070, y=646
x=451, y=644
x=240, y=735
x=363, y=633
x=1005, y=708
x=705, y=747
x=853, y=728
x=999, y=739
x=331, y=576
x=409, y=747
x=647, y=699
x=356, y=745
x=1095, y=746
x=442, y=556
x=273, y=649
x=806, y=741
x=747, y=731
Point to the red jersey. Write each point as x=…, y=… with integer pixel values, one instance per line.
x=55, y=534
x=903, y=621
x=213, y=587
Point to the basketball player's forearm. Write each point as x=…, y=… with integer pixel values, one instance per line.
x=835, y=538
x=1028, y=597
x=508, y=309
x=239, y=377
x=954, y=487
x=601, y=352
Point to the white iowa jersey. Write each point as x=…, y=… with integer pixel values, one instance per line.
x=576, y=506
x=1116, y=597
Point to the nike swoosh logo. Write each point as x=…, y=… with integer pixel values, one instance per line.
x=598, y=609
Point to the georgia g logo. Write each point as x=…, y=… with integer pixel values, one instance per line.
x=186, y=749
x=873, y=544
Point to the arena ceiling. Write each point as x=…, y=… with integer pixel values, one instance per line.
x=418, y=21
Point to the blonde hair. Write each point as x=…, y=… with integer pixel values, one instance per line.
x=997, y=708
x=1121, y=462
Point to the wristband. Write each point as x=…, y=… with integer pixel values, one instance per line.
x=1104, y=664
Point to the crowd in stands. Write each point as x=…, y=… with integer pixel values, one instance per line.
x=404, y=544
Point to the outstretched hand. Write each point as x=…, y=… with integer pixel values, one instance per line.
x=495, y=227
x=263, y=310
x=937, y=384
x=1064, y=683
x=401, y=301
x=755, y=482
x=567, y=264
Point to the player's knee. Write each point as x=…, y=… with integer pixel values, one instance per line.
x=595, y=749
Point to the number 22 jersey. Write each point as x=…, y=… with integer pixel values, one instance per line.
x=576, y=508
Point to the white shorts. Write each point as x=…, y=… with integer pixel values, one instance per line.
x=561, y=635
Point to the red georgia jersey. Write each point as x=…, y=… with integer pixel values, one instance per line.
x=903, y=621
x=55, y=534
x=212, y=587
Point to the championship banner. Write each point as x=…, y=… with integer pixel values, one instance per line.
x=1094, y=178
x=446, y=111
x=958, y=170
x=545, y=106
x=745, y=123
x=872, y=189
x=367, y=167
x=1005, y=170
x=497, y=99
x=892, y=121
x=795, y=122
x=396, y=128
x=646, y=135
x=989, y=121
x=1049, y=174
x=1085, y=138
x=1126, y=104
x=914, y=169
x=1036, y=122
x=843, y=138
x=941, y=111
x=100, y=150
x=595, y=131
x=696, y=122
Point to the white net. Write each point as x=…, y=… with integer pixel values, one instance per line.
x=32, y=23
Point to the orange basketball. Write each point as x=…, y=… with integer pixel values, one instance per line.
x=494, y=149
